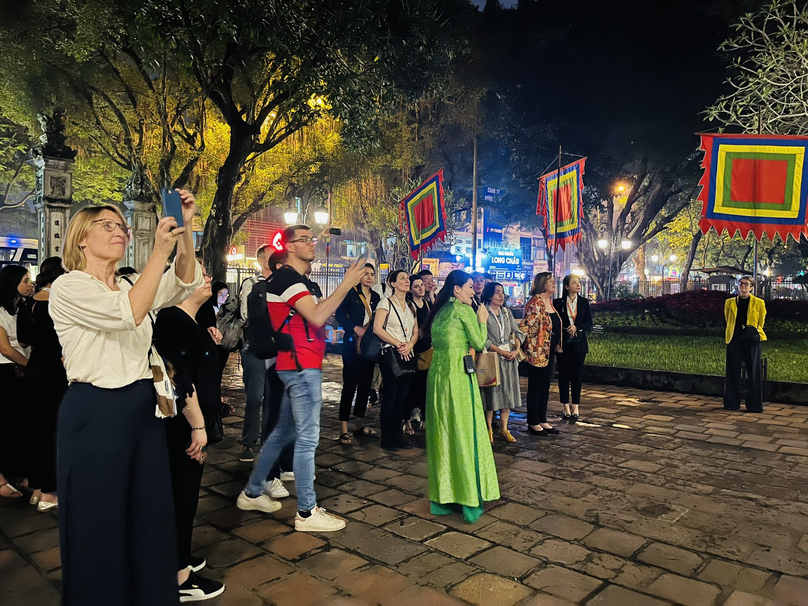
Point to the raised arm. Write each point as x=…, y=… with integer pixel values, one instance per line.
x=317, y=314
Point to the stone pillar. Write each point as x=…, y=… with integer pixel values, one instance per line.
x=141, y=214
x=54, y=186
x=142, y=217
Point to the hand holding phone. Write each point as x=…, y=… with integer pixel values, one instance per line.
x=172, y=205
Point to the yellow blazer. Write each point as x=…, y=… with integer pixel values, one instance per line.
x=756, y=315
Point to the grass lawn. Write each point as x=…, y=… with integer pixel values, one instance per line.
x=788, y=360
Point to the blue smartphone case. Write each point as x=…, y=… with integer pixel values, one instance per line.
x=172, y=205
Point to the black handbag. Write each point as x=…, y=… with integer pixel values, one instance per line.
x=397, y=365
x=370, y=347
x=214, y=428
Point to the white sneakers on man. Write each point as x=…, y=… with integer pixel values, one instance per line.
x=276, y=489
x=287, y=476
x=318, y=521
x=260, y=503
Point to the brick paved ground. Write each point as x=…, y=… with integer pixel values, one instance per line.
x=655, y=499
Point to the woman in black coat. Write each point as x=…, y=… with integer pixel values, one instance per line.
x=576, y=321
x=355, y=315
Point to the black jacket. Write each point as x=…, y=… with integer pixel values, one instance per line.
x=583, y=323
x=351, y=312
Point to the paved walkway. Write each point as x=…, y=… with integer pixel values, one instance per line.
x=653, y=499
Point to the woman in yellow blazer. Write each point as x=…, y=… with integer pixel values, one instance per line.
x=745, y=315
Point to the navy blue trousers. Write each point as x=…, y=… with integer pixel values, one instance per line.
x=116, y=511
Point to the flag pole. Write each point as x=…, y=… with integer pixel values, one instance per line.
x=555, y=213
x=755, y=267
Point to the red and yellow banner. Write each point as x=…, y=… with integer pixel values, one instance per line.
x=425, y=214
x=561, y=205
x=754, y=183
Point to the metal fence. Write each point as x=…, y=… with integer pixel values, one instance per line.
x=767, y=288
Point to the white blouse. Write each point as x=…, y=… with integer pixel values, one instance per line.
x=393, y=325
x=96, y=326
x=9, y=324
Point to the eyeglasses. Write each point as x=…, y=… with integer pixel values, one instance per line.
x=110, y=226
x=305, y=240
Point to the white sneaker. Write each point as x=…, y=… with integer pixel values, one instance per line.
x=287, y=476
x=318, y=521
x=276, y=489
x=260, y=503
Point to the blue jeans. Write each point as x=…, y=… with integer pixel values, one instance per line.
x=299, y=422
x=254, y=372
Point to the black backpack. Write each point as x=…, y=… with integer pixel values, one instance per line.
x=264, y=342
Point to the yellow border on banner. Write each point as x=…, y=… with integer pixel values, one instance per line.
x=570, y=176
x=799, y=160
x=433, y=187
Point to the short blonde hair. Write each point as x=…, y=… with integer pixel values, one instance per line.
x=72, y=254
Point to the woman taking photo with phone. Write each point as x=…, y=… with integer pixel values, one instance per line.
x=119, y=547
x=462, y=474
x=396, y=326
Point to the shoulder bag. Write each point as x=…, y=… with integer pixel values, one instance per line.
x=390, y=356
x=370, y=346
x=366, y=326
x=487, y=365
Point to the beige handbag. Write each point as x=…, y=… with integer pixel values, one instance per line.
x=487, y=365
x=517, y=347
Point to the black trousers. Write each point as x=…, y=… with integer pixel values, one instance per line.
x=357, y=375
x=186, y=478
x=273, y=393
x=13, y=448
x=116, y=512
x=416, y=398
x=570, y=371
x=747, y=354
x=393, y=403
x=538, y=390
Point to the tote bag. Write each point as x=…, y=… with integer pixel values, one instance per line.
x=487, y=365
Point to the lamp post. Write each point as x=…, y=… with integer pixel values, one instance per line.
x=611, y=244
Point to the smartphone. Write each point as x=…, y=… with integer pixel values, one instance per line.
x=468, y=364
x=172, y=205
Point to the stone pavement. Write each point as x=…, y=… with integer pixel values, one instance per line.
x=652, y=499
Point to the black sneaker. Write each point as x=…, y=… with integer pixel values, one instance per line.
x=197, y=563
x=197, y=589
x=247, y=455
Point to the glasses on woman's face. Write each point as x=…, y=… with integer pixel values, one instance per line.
x=110, y=225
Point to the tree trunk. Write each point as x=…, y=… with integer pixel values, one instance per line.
x=691, y=254
x=219, y=227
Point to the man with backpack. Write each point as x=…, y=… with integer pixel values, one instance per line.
x=299, y=316
x=253, y=370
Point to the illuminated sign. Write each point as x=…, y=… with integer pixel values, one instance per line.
x=277, y=241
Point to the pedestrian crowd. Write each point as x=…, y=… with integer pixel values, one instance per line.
x=122, y=373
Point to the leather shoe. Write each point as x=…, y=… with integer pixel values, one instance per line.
x=403, y=444
x=390, y=447
x=537, y=432
x=552, y=430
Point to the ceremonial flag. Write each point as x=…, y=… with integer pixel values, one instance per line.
x=561, y=205
x=425, y=214
x=754, y=183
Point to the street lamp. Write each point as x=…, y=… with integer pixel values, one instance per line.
x=655, y=258
x=625, y=244
x=321, y=215
x=673, y=257
x=290, y=216
x=603, y=243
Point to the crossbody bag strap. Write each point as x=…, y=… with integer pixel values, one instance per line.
x=403, y=330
